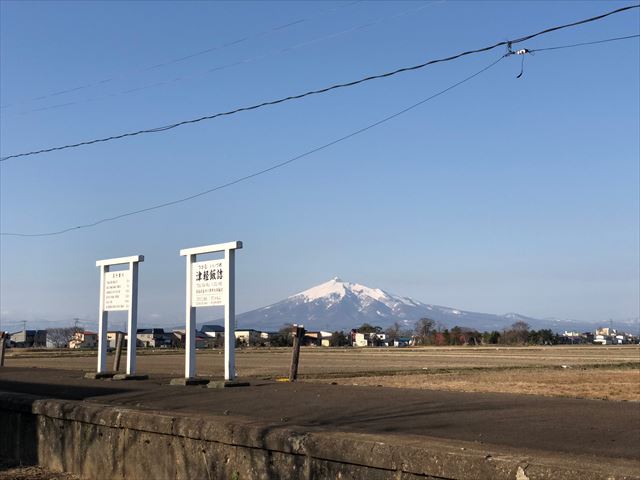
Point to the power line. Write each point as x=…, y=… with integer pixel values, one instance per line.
x=184, y=57
x=507, y=43
x=263, y=171
x=322, y=147
x=229, y=65
x=526, y=51
x=606, y=40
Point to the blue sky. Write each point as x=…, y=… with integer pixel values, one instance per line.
x=501, y=195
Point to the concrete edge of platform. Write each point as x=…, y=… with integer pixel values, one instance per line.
x=62, y=430
x=188, y=382
x=99, y=375
x=126, y=376
x=227, y=384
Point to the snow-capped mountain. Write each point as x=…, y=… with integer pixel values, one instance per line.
x=339, y=305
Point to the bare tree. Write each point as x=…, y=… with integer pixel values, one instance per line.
x=521, y=330
x=393, y=331
x=60, y=337
x=423, y=329
x=339, y=339
x=518, y=333
x=368, y=328
x=520, y=326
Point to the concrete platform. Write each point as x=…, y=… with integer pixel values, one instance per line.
x=99, y=376
x=125, y=376
x=227, y=384
x=186, y=382
x=385, y=433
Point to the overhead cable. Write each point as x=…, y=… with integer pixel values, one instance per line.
x=184, y=57
x=260, y=172
x=523, y=52
x=606, y=40
x=322, y=90
x=226, y=66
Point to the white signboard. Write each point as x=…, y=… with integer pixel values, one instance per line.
x=207, y=283
x=117, y=290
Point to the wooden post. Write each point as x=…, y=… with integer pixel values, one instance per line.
x=298, y=335
x=116, y=360
x=2, y=340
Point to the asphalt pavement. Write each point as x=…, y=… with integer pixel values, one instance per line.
x=560, y=425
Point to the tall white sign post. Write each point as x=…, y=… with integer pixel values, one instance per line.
x=118, y=291
x=211, y=283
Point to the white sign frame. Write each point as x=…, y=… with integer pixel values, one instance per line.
x=132, y=319
x=229, y=304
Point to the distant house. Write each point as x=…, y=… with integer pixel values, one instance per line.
x=84, y=340
x=213, y=331
x=112, y=338
x=620, y=339
x=53, y=341
x=571, y=337
x=606, y=331
x=319, y=339
x=152, y=338
x=402, y=342
x=248, y=336
x=360, y=339
x=29, y=338
x=568, y=333
x=179, y=337
x=369, y=339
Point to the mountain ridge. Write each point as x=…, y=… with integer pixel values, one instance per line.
x=340, y=305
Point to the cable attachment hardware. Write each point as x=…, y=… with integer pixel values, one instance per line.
x=522, y=52
x=509, y=50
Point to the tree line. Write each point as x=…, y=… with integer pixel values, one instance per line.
x=429, y=332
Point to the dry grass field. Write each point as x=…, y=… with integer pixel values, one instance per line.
x=582, y=371
x=621, y=383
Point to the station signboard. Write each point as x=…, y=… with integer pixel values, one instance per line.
x=207, y=283
x=117, y=290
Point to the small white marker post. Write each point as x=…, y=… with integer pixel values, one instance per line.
x=210, y=283
x=118, y=291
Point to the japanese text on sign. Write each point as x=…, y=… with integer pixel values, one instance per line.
x=207, y=283
x=117, y=290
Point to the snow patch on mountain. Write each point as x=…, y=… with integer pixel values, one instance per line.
x=336, y=289
x=340, y=305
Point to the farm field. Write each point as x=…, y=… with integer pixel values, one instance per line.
x=580, y=371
